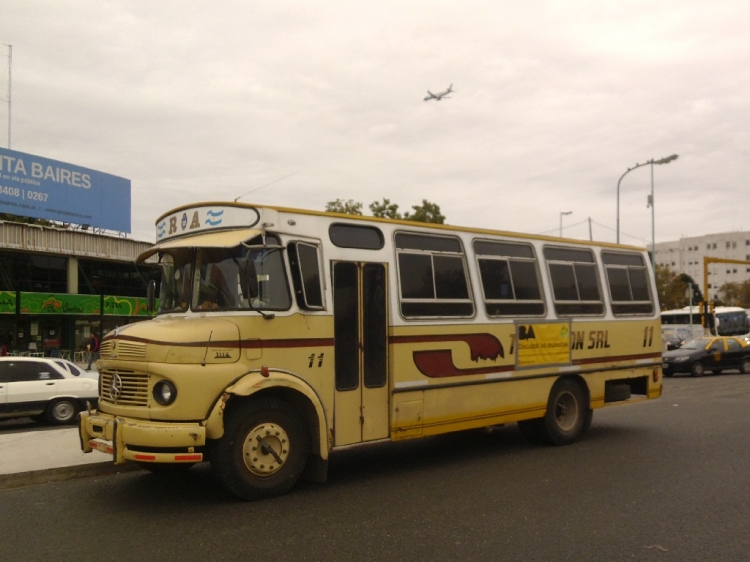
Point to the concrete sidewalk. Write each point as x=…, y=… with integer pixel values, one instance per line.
x=54, y=455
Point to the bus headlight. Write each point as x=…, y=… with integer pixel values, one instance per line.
x=165, y=392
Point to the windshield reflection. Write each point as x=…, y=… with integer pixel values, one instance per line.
x=211, y=278
x=695, y=344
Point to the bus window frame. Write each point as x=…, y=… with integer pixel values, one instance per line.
x=627, y=267
x=431, y=253
x=298, y=280
x=534, y=259
x=557, y=304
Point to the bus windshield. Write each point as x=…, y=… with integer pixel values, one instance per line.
x=211, y=278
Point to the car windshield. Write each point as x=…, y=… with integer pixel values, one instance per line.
x=212, y=278
x=698, y=343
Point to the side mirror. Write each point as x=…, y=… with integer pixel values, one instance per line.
x=248, y=279
x=151, y=296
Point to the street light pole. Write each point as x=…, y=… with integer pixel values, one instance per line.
x=665, y=160
x=561, y=216
x=653, y=220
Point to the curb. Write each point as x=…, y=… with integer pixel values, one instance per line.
x=49, y=475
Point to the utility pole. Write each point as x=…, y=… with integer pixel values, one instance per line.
x=10, y=87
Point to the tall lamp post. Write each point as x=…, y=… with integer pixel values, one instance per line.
x=665, y=160
x=561, y=216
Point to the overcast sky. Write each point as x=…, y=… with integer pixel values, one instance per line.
x=554, y=101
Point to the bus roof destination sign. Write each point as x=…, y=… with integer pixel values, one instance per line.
x=32, y=186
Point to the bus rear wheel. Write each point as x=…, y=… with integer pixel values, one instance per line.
x=263, y=451
x=566, y=419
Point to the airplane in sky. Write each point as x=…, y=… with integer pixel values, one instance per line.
x=439, y=95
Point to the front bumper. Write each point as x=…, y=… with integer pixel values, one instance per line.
x=676, y=367
x=127, y=439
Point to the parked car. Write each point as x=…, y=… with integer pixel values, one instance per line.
x=707, y=355
x=48, y=389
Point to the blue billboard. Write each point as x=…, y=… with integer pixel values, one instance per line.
x=32, y=186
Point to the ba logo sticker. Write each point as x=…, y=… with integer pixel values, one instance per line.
x=526, y=333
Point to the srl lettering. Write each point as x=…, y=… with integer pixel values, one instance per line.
x=598, y=339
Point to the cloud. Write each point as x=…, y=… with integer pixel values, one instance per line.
x=553, y=103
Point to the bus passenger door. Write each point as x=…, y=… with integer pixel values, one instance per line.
x=360, y=319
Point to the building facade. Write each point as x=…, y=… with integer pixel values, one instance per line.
x=686, y=256
x=58, y=286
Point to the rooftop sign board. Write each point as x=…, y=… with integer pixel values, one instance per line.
x=202, y=218
x=32, y=186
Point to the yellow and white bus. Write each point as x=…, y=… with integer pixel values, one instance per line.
x=283, y=335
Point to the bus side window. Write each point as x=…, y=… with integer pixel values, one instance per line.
x=575, y=281
x=433, y=280
x=305, y=263
x=510, y=278
x=628, y=282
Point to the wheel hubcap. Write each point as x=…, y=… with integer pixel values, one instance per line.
x=566, y=411
x=63, y=411
x=266, y=449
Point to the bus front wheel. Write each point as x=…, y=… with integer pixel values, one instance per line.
x=263, y=450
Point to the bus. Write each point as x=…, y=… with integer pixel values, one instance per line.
x=285, y=335
x=687, y=322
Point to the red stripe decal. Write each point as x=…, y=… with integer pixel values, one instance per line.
x=245, y=344
x=438, y=363
x=481, y=346
x=268, y=344
x=145, y=457
x=197, y=457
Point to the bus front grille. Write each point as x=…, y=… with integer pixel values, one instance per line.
x=123, y=387
x=119, y=349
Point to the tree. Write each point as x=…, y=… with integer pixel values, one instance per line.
x=386, y=209
x=670, y=288
x=690, y=282
x=426, y=212
x=735, y=294
x=350, y=207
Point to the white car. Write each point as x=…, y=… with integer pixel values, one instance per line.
x=45, y=388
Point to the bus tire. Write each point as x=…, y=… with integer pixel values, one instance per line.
x=745, y=365
x=263, y=451
x=566, y=413
x=697, y=369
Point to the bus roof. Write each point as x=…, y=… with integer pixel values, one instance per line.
x=396, y=221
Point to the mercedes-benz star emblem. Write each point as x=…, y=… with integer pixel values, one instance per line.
x=115, y=387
